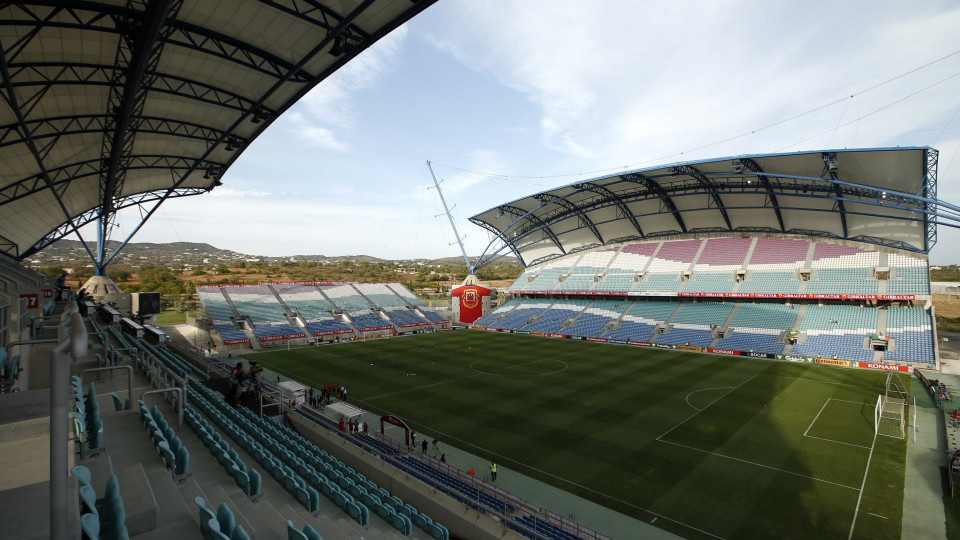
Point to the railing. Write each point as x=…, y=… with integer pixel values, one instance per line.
x=527, y=507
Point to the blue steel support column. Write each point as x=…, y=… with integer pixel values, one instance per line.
x=101, y=247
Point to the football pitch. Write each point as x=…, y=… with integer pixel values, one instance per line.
x=702, y=446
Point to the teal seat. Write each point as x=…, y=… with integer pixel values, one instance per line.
x=358, y=512
x=438, y=531
x=225, y=519
x=311, y=533
x=421, y=521
x=90, y=526
x=401, y=523
x=239, y=534
x=293, y=533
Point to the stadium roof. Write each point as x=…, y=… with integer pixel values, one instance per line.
x=881, y=196
x=108, y=105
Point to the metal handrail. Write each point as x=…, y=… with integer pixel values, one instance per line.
x=111, y=368
x=180, y=403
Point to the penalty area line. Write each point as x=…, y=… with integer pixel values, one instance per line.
x=862, y=485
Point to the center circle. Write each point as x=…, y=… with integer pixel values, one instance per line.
x=519, y=366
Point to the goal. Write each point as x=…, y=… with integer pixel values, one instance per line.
x=890, y=413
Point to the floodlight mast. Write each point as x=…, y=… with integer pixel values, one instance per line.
x=450, y=217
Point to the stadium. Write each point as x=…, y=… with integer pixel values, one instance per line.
x=733, y=347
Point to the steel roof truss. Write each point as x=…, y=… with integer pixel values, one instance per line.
x=60, y=177
x=26, y=75
x=138, y=51
x=581, y=215
x=535, y=223
x=94, y=214
x=708, y=186
x=655, y=187
x=754, y=167
x=11, y=98
x=104, y=18
x=623, y=211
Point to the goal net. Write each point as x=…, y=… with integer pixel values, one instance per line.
x=890, y=412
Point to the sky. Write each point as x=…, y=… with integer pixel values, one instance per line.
x=547, y=93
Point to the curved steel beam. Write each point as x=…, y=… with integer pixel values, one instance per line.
x=708, y=185
x=754, y=167
x=85, y=74
x=655, y=187
x=12, y=101
x=830, y=169
x=480, y=262
x=623, y=210
x=538, y=223
x=70, y=14
x=550, y=198
x=93, y=214
x=82, y=124
x=61, y=177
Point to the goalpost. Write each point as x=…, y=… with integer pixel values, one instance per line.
x=889, y=418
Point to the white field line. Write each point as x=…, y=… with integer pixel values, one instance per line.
x=760, y=465
x=838, y=442
x=508, y=459
x=814, y=421
x=705, y=408
x=702, y=390
x=862, y=485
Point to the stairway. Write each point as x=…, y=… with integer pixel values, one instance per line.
x=357, y=289
x=537, y=317
x=675, y=311
x=605, y=268
x=573, y=320
x=749, y=255
x=254, y=340
x=233, y=307
x=286, y=308
x=375, y=308
x=696, y=257
x=726, y=324
x=615, y=323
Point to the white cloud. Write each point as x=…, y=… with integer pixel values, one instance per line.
x=332, y=101
x=320, y=137
x=224, y=191
x=626, y=82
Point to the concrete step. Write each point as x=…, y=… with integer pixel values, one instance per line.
x=172, y=507
x=184, y=530
x=262, y=516
x=252, y=522
x=139, y=504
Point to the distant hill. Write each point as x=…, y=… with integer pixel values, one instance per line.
x=71, y=253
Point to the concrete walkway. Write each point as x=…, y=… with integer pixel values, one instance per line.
x=923, y=513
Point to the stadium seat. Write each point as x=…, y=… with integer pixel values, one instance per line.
x=90, y=526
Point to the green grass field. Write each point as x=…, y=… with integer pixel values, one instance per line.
x=710, y=446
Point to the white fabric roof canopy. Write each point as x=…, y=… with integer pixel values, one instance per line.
x=109, y=104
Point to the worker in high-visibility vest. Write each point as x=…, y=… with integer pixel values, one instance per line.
x=493, y=472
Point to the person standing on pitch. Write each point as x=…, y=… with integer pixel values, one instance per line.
x=423, y=447
x=493, y=471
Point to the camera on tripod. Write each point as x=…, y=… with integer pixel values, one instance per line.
x=253, y=376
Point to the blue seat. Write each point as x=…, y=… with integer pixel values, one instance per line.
x=225, y=519
x=90, y=526
x=293, y=533
x=208, y=520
